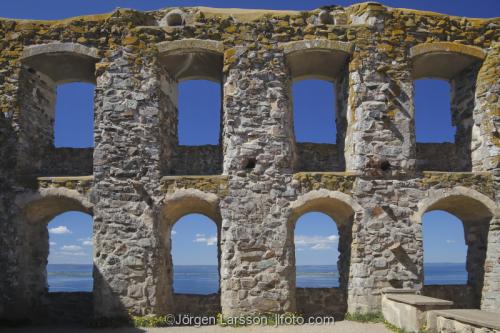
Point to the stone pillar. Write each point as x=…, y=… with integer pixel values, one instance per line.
x=380, y=138
x=35, y=119
x=387, y=247
x=341, y=117
x=463, y=87
x=380, y=144
x=12, y=304
x=490, y=300
x=485, y=157
x=485, y=146
x=256, y=272
x=476, y=238
x=129, y=101
x=26, y=133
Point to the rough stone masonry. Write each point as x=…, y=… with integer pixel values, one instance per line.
x=375, y=183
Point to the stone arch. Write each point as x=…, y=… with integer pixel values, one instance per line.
x=35, y=210
x=443, y=60
x=174, y=206
x=477, y=213
x=45, y=204
x=458, y=201
x=319, y=59
x=343, y=210
x=62, y=62
x=192, y=59
x=189, y=201
x=339, y=206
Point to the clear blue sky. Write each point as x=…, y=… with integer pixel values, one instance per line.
x=199, y=124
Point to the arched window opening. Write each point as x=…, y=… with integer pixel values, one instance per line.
x=74, y=115
x=316, y=251
x=445, y=250
x=455, y=249
x=192, y=86
x=195, y=253
x=444, y=109
x=199, y=112
x=57, y=83
x=69, y=267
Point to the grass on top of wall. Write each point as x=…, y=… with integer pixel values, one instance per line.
x=375, y=317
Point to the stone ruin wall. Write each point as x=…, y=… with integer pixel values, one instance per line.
x=376, y=182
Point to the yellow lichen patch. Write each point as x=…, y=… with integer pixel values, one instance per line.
x=231, y=29
x=384, y=47
x=130, y=40
x=335, y=181
x=243, y=15
x=209, y=184
x=83, y=183
x=481, y=182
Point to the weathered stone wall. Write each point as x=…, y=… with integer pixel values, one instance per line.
x=437, y=157
x=73, y=307
x=318, y=157
x=462, y=296
x=197, y=304
x=67, y=162
x=37, y=97
x=321, y=302
x=258, y=182
x=197, y=160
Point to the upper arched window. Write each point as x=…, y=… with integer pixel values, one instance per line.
x=444, y=110
x=57, y=87
x=318, y=70
x=193, y=92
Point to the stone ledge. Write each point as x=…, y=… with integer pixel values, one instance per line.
x=334, y=181
x=410, y=311
x=471, y=316
x=465, y=173
x=480, y=181
x=190, y=45
x=447, y=47
x=65, y=178
x=71, y=182
x=317, y=44
x=417, y=300
x=34, y=50
x=181, y=177
x=329, y=173
x=216, y=184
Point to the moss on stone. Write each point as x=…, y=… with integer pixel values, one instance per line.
x=334, y=181
x=482, y=182
x=210, y=184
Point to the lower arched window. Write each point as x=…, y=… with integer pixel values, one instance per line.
x=69, y=267
x=195, y=255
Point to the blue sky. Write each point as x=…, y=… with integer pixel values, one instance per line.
x=193, y=241
x=56, y=9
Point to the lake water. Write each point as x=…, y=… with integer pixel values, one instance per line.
x=205, y=279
